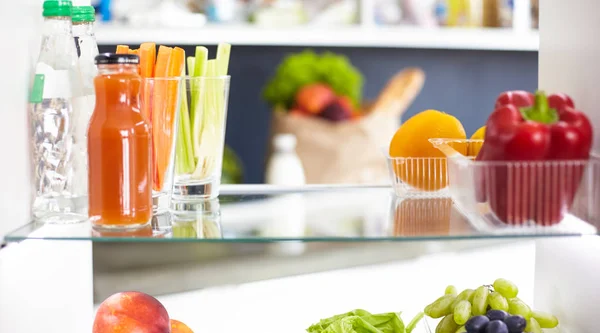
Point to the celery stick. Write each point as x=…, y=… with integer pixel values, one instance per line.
x=185, y=229
x=201, y=58
x=223, y=53
x=185, y=153
x=187, y=131
x=210, y=126
x=200, y=67
x=190, y=65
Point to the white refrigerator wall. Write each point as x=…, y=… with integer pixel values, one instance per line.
x=567, y=271
x=19, y=23
x=569, y=56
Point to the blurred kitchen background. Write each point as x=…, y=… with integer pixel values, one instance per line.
x=469, y=51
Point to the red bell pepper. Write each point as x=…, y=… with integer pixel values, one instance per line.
x=533, y=128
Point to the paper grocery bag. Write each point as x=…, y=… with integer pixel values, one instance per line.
x=351, y=152
x=348, y=152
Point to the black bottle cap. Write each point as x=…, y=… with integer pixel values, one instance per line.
x=116, y=59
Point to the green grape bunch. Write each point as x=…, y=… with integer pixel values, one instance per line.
x=307, y=67
x=491, y=308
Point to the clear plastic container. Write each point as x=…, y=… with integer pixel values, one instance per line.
x=525, y=196
x=419, y=176
x=425, y=177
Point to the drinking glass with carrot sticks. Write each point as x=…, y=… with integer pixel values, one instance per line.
x=161, y=73
x=201, y=132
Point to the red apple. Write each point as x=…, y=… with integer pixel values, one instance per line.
x=313, y=98
x=179, y=327
x=129, y=312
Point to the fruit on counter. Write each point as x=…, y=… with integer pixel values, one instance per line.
x=496, y=326
x=527, y=127
x=446, y=325
x=497, y=301
x=306, y=68
x=546, y=320
x=451, y=290
x=441, y=307
x=131, y=312
x=362, y=321
x=506, y=288
x=412, y=140
x=336, y=111
x=314, y=98
x=462, y=312
x=533, y=326
x=475, y=147
x=470, y=313
x=518, y=307
x=496, y=315
x=515, y=323
x=465, y=295
x=480, y=300
x=179, y=327
x=477, y=324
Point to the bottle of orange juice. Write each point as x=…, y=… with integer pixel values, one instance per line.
x=119, y=151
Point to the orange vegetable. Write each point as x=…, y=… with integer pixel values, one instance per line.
x=160, y=138
x=122, y=49
x=133, y=52
x=167, y=127
x=147, y=59
x=147, y=53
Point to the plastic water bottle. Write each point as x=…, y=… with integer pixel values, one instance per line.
x=55, y=119
x=83, y=18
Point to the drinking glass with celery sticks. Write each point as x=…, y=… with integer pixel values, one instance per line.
x=202, y=120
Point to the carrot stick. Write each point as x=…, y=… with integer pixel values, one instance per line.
x=134, y=51
x=147, y=59
x=158, y=112
x=147, y=53
x=168, y=125
x=122, y=49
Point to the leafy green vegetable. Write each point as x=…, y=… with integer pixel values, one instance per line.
x=360, y=321
x=307, y=67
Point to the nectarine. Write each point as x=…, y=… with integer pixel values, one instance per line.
x=179, y=327
x=129, y=312
x=313, y=98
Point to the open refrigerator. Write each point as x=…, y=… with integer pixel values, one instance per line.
x=280, y=259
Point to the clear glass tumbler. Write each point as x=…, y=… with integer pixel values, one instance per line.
x=201, y=137
x=160, y=103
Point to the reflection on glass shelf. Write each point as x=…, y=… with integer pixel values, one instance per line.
x=269, y=214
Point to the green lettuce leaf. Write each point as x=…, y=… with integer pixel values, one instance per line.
x=360, y=321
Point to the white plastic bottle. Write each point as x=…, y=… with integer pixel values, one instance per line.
x=284, y=167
